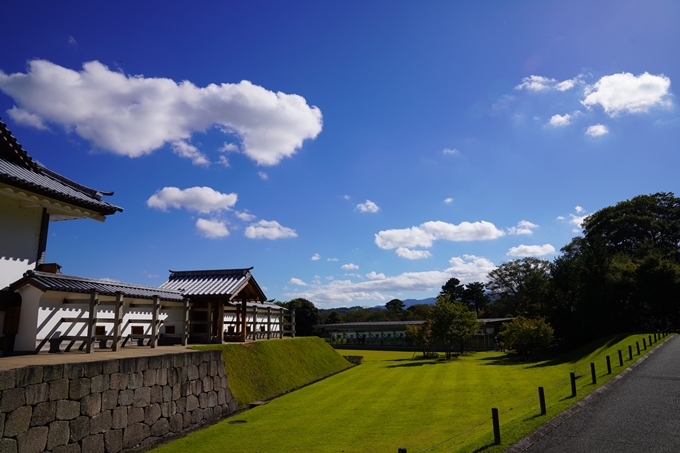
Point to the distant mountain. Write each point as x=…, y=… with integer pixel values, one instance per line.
x=409, y=302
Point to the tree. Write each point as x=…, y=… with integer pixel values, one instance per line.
x=452, y=323
x=453, y=289
x=306, y=316
x=421, y=335
x=525, y=335
x=333, y=318
x=520, y=287
x=475, y=297
x=395, y=305
x=418, y=312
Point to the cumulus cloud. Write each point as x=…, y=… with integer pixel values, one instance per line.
x=448, y=200
x=523, y=227
x=223, y=161
x=626, y=93
x=212, y=228
x=26, y=118
x=428, y=232
x=576, y=219
x=409, y=254
x=265, y=229
x=531, y=250
x=467, y=269
x=228, y=148
x=189, y=151
x=135, y=115
x=560, y=120
x=450, y=151
x=263, y=176
x=297, y=281
x=316, y=257
x=201, y=199
x=540, y=83
x=332, y=259
x=369, y=206
x=349, y=267
x=375, y=276
x=597, y=130
x=579, y=209
x=245, y=216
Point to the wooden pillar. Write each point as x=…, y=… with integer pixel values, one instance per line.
x=238, y=320
x=281, y=311
x=117, y=321
x=254, y=323
x=292, y=323
x=92, y=320
x=244, y=319
x=220, y=321
x=185, y=321
x=154, y=321
x=210, y=322
x=269, y=323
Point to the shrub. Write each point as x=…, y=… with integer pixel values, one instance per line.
x=525, y=335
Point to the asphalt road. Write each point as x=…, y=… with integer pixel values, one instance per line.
x=641, y=413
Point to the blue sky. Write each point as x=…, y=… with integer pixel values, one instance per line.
x=352, y=152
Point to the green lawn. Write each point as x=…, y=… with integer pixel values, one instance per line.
x=394, y=400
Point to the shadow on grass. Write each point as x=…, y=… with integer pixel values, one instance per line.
x=420, y=361
x=485, y=447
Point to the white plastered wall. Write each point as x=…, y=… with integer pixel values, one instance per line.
x=19, y=239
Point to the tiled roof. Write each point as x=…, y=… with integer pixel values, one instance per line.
x=18, y=169
x=46, y=281
x=398, y=323
x=224, y=282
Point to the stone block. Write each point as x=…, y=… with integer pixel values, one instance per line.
x=58, y=389
x=176, y=392
x=136, y=380
x=59, y=433
x=119, y=417
x=149, y=377
x=220, y=369
x=53, y=372
x=68, y=448
x=217, y=383
x=173, y=376
x=142, y=397
x=133, y=435
x=29, y=375
x=67, y=410
x=178, y=360
x=221, y=397
x=186, y=420
x=183, y=375
x=78, y=388
x=12, y=398
x=109, y=399
x=18, y=421
x=152, y=413
x=166, y=360
x=8, y=379
x=118, y=381
x=33, y=441
x=212, y=399
x=8, y=446
x=196, y=416
x=74, y=370
x=212, y=368
x=142, y=363
x=232, y=405
x=91, y=405
x=79, y=428
x=160, y=428
x=113, y=440
x=135, y=415
x=225, y=383
x=94, y=444
x=208, y=414
x=37, y=393
x=203, y=370
x=173, y=408
x=181, y=405
x=208, y=384
x=176, y=423
x=100, y=383
x=44, y=413
x=188, y=388
x=2, y=423
x=166, y=393
x=156, y=394
x=192, y=403
x=101, y=422
x=162, y=376
x=92, y=369
x=155, y=362
x=217, y=411
x=203, y=400
x=128, y=365
x=111, y=366
x=125, y=397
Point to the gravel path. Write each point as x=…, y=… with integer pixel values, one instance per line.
x=641, y=413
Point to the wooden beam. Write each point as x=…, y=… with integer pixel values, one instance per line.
x=220, y=321
x=92, y=321
x=210, y=322
x=254, y=322
x=185, y=324
x=269, y=323
x=281, y=322
x=244, y=320
x=292, y=323
x=118, y=319
x=154, y=321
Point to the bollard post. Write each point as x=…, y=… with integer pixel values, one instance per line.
x=655, y=338
x=402, y=450
x=572, y=376
x=650, y=341
x=609, y=366
x=496, y=426
x=630, y=352
x=644, y=343
x=637, y=345
x=592, y=372
x=620, y=358
x=541, y=399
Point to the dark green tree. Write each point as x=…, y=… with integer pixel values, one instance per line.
x=395, y=305
x=306, y=316
x=520, y=287
x=333, y=318
x=453, y=289
x=452, y=323
x=475, y=297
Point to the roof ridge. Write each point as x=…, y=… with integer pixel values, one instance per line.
x=94, y=193
x=34, y=273
x=14, y=152
x=209, y=272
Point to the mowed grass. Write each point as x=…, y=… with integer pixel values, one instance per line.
x=394, y=400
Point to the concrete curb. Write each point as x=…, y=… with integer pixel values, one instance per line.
x=544, y=430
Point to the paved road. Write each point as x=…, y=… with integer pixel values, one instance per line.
x=641, y=413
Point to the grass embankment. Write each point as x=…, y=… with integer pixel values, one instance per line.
x=394, y=400
x=263, y=369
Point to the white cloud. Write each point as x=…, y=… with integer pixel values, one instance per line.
x=375, y=276
x=349, y=267
x=297, y=281
x=569, y=84
x=531, y=250
x=448, y=200
x=201, y=199
x=135, y=115
x=576, y=220
x=560, y=120
x=223, y=161
x=597, y=130
x=625, y=93
x=467, y=269
x=228, y=148
x=263, y=176
x=428, y=232
x=450, y=151
x=212, y=228
x=409, y=254
x=346, y=197
x=269, y=230
x=523, y=227
x=369, y=206
x=540, y=83
x=189, y=151
x=579, y=209
x=29, y=119
x=316, y=257
x=245, y=216
x=72, y=41
x=332, y=259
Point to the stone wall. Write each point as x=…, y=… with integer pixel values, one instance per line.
x=110, y=405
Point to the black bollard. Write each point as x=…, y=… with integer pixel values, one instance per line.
x=637, y=345
x=541, y=400
x=630, y=352
x=620, y=358
x=650, y=341
x=572, y=376
x=609, y=366
x=644, y=343
x=496, y=426
x=592, y=372
x=402, y=450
